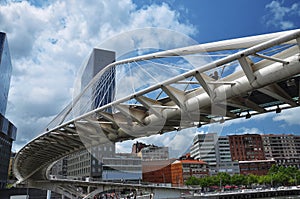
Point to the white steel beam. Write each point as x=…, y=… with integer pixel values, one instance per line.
x=247, y=68
x=150, y=104
x=298, y=42
x=176, y=95
x=203, y=79
x=265, y=76
x=136, y=115
x=108, y=116
x=270, y=58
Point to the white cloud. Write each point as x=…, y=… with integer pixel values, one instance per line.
x=279, y=15
x=178, y=142
x=245, y=130
x=290, y=116
x=48, y=44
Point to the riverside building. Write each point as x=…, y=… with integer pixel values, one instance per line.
x=246, y=147
x=215, y=151
x=283, y=148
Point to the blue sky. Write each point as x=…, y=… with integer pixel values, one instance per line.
x=218, y=20
x=50, y=39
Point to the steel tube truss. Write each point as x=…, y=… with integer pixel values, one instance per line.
x=264, y=82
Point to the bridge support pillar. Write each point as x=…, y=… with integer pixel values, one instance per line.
x=48, y=194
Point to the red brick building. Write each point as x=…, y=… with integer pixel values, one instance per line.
x=246, y=147
x=181, y=170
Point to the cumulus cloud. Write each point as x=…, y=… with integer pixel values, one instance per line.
x=245, y=130
x=48, y=43
x=280, y=15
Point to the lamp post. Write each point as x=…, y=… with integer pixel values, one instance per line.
x=220, y=184
x=271, y=180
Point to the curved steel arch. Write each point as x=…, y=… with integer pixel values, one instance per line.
x=265, y=78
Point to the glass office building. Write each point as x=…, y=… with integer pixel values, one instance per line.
x=5, y=72
x=103, y=91
x=7, y=130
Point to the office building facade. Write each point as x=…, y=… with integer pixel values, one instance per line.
x=104, y=164
x=89, y=164
x=8, y=131
x=214, y=150
x=224, y=159
x=103, y=91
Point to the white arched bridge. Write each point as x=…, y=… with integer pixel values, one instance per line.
x=213, y=82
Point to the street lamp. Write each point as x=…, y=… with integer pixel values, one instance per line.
x=220, y=183
x=271, y=180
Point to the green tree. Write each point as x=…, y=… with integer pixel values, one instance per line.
x=252, y=179
x=214, y=181
x=264, y=180
x=193, y=181
x=273, y=169
x=224, y=178
x=238, y=179
x=205, y=182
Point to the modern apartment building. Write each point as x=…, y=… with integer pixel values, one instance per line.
x=256, y=167
x=8, y=131
x=283, y=148
x=214, y=150
x=246, y=147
